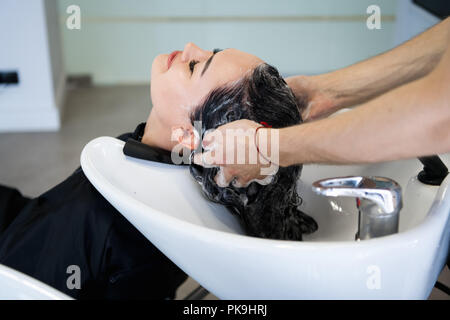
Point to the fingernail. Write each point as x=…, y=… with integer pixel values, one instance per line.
x=198, y=158
x=237, y=184
x=210, y=147
x=220, y=179
x=206, y=142
x=208, y=137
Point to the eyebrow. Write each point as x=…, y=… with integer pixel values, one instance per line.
x=208, y=62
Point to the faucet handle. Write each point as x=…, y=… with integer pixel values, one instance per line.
x=384, y=192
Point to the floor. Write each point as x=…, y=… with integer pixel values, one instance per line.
x=35, y=162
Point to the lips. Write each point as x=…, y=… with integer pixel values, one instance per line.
x=171, y=58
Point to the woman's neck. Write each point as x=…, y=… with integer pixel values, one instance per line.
x=156, y=135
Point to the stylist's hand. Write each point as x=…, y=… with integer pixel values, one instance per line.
x=309, y=91
x=218, y=153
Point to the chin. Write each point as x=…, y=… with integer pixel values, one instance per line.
x=159, y=64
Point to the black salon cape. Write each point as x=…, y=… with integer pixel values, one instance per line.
x=72, y=224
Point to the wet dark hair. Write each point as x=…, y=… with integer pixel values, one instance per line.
x=267, y=211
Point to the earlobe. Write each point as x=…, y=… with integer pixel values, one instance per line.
x=177, y=134
x=186, y=137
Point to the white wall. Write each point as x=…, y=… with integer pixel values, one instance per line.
x=34, y=103
x=55, y=48
x=119, y=39
x=411, y=20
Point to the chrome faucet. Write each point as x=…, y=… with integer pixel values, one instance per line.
x=379, y=201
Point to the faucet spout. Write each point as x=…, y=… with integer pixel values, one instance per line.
x=380, y=202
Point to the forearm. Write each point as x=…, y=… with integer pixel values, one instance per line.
x=368, y=79
x=410, y=121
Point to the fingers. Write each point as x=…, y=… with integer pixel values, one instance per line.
x=223, y=177
x=212, y=156
x=244, y=183
x=205, y=160
x=208, y=138
x=227, y=175
x=265, y=181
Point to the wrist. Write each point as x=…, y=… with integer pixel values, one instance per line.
x=284, y=151
x=328, y=92
x=316, y=95
x=262, y=145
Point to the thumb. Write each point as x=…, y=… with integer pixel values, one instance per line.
x=204, y=159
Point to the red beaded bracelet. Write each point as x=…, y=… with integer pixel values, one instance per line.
x=264, y=125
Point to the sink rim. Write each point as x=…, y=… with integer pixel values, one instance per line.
x=26, y=287
x=186, y=227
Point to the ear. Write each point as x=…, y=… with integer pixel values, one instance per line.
x=187, y=137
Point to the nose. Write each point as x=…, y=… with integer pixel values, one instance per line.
x=192, y=51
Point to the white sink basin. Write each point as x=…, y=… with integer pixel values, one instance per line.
x=206, y=241
x=15, y=285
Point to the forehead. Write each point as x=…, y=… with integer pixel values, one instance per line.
x=228, y=65
x=235, y=53
x=236, y=58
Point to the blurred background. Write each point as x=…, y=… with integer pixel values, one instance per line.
x=69, y=85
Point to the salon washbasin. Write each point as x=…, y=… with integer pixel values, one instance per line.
x=15, y=285
x=206, y=241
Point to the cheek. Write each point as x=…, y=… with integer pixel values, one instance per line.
x=171, y=93
x=172, y=97
x=166, y=99
x=161, y=96
x=160, y=86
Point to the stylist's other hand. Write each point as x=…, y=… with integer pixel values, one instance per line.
x=232, y=148
x=309, y=93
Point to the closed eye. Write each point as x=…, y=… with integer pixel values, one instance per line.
x=192, y=64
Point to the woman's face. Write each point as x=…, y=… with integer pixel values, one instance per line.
x=179, y=81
